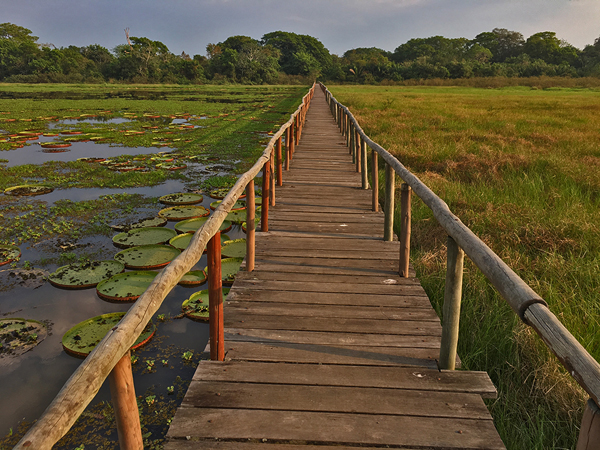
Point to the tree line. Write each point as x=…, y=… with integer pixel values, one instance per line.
x=283, y=57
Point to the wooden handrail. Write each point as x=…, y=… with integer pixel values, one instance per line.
x=530, y=306
x=84, y=383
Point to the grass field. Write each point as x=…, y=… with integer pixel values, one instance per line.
x=521, y=167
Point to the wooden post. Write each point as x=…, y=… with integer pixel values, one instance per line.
x=589, y=435
x=296, y=131
x=250, y=225
x=405, y=218
x=375, y=180
x=365, y=166
x=215, y=299
x=279, y=174
x=357, y=149
x=351, y=146
x=287, y=148
x=272, y=180
x=266, y=195
x=451, y=309
x=122, y=393
x=390, y=192
x=291, y=142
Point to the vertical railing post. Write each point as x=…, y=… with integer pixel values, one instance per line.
x=250, y=226
x=266, y=195
x=272, y=180
x=451, y=309
x=375, y=180
x=296, y=129
x=291, y=141
x=351, y=145
x=278, y=153
x=357, y=149
x=390, y=191
x=287, y=148
x=215, y=298
x=405, y=219
x=365, y=166
x=127, y=416
x=589, y=434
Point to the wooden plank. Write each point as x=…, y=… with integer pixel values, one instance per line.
x=265, y=275
x=211, y=444
x=329, y=354
x=336, y=427
x=355, y=400
x=339, y=375
x=329, y=218
x=374, y=312
x=353, y=229
x=305, y=286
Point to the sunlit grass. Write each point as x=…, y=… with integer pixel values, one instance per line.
x=521, y=168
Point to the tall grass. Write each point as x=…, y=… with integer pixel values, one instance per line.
x=521, y=168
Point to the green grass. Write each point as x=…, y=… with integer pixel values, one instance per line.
x=521, y=168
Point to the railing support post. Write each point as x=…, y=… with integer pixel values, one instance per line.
x=589, y=435
x=127, y=416
x=451, y=309
x=287, y=148
x=357, y=149
x=215, y=299
x=279, y=174
x=375, y=180
x=405, y=218
x=363, y=154
x=390, y=192
x=266, y=195
x=291, y=143
x=272, y=180
x=250, y=225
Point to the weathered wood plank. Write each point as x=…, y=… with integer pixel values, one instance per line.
x=336, y=427
x=261, y=274
x=211, y=444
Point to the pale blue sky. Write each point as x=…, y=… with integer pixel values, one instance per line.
x=189, y=25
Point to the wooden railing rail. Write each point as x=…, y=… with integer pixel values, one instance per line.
x=530, y=306
x=113, y=351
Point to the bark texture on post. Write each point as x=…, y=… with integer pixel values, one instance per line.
x=250, y=225
x=272, y=181
x=375, y=179
x=390, y=192
x=451, y=309
x=365, y=167
x=215, y=299
x=266, y=195
x=287, y=148
x=589, y=435
x=122, y=393
x=405, y=222
x=278, y=155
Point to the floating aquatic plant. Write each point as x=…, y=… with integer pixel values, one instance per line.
x=84, y=275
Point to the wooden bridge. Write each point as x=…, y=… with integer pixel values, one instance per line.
x=325, y=343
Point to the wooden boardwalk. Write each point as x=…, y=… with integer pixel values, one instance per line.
x=325, y=344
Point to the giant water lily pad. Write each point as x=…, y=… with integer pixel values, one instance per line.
x=229, y=268
x=183, y=240
x=196, y=307
x=18, y=336
x=84, y=275
x=221, y=193
x=181, y=198
x=144, y=236
x=177, y=213
x=83, y=337
x=9, y=253
x=234, y=249
x=28, y=189
x=237, y=206
x=193, y=278
x=237, y=216
x=193, y=225
x=125, y=287
x=147, y=256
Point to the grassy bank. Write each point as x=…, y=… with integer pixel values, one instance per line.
x=521, y=168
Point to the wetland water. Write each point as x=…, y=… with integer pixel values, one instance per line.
x=29, y=382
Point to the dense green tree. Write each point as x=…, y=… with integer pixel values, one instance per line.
x=547, y=47
x=434, y=50
x=368, y=63
x=299, y=54
x=501, y=42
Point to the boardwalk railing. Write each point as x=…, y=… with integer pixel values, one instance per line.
x=111, y=359
x=530, y=307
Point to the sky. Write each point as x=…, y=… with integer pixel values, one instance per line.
x=189, y=25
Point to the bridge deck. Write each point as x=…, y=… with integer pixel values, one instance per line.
x=325, y=344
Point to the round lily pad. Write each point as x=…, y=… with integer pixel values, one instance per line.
x=221, y=193
x=143, y=236
x=84, y=275
x=193, y=225
x=196, y=307
x=56, y=145
x=28, y=189
x=125, y=287
x=147, y=256
x=234, y=249
x=171, y=166
x=183, y=240
x=177, y=213
x=83, y=337
x=18, y=336
x=237, y=206
x=193, y=278
x=229, y=268
x=9, y=253
x=237, y=216
x=181, y=198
